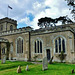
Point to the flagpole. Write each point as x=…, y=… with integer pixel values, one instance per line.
x=7, y=11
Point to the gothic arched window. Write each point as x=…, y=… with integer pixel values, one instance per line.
x=38, y=46
x=19, y=45
x=3, y=50
x=1, y=27
x=63, y=45
x=11, y=27
x=35, y=47
x=59, y=45
x=56, y=46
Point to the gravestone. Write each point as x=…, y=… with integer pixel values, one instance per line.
x=27, y=68
x=50, y=62
x=72, y=71
x=3, y=59
x=19, y=69
x=45, y=63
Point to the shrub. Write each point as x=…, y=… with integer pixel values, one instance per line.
x=35, y=57
x=62, y=56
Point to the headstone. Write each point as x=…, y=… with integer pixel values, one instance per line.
x=3, y=59
x=27, y=68
x=45, y=63
x=50, y=62
x=19, y=69
x=72, y=71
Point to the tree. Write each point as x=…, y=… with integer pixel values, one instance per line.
x=46, y=22
x=71, y=3
x=49, y=22
x=64, y=20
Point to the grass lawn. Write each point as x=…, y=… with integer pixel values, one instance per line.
x=10, y=68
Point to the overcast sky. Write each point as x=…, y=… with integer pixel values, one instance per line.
x=27, y=12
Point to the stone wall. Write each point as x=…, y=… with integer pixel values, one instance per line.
x=48, y=43
x=12, y=39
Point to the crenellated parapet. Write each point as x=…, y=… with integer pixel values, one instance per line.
x=16, y=31
x=8, y=20
x=52, y=30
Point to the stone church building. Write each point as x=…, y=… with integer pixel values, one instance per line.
x=28, y=44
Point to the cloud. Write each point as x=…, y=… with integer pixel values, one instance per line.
x=54, y=10
x=29, y=11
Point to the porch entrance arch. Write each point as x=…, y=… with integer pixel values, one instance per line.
x=2, y=40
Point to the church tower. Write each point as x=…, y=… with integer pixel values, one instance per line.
x=7, y=24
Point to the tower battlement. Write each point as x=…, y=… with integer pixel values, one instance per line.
x=8, y=20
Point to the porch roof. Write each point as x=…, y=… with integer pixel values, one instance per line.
x=3, y=40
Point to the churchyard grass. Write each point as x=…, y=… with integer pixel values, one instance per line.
x=10, y=68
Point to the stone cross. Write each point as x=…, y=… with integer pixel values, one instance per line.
x=45, y=64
